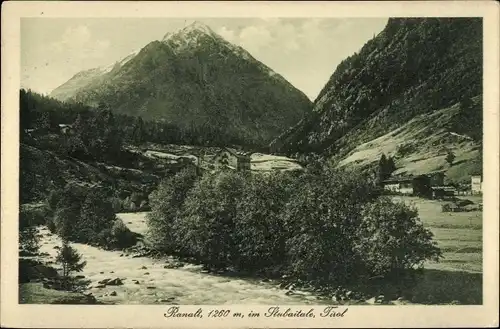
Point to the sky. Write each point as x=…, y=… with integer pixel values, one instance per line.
x=305, y=51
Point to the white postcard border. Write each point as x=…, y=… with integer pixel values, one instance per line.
x=151, y=316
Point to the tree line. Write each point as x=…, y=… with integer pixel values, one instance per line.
x=323, y=226
x=97, y=129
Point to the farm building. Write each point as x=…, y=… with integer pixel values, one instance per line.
x=420, y=185
x=403, y=185
x=443, y=191
x=232, y=159
x=476, y=185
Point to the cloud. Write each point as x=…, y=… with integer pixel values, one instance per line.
x=79, y=42
x=264, y=35
x=289, y=35
x=255, y=37
x=227, y=34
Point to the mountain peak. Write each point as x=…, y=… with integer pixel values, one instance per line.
x=196, y=27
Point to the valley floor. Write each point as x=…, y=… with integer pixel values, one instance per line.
x=157, y=285
x=457, y=278
x=458, y=234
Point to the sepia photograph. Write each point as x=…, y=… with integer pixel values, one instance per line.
x=276, y=161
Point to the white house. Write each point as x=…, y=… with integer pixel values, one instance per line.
x=476, y=185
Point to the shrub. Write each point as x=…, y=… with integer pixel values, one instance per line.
x=404, y=149
x=29, y=242
x=121, y=236
x=97, y=213
x=259, y=231
x=323, y=215
x=51, y=225
x=446, y=207
x=34, y=214
x=104, y=238
x=325, y=226
x=167, y=201
x=117, y=204
x=208, y=219
x=391, y=238
x=80, y=214
x=65, y=219
x=450, y=157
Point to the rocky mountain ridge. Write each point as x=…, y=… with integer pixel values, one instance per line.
x=194, y=77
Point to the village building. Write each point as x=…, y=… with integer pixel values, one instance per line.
x=228, y=158
x=402, y=185
x=476, y=185
x=439, y=192
x=420, y=185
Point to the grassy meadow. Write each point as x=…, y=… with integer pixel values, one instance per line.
x=458, y=276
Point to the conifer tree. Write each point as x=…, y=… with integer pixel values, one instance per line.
x=70, y=260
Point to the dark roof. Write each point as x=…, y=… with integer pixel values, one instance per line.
x=444, y=188
x=398, y=180
x=235, y=152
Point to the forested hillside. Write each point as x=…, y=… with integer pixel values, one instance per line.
x=413, y=67
x=196, y=80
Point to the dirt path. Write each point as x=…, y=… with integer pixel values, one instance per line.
x=158, y=285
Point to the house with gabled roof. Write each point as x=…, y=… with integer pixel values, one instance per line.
x=229, y=158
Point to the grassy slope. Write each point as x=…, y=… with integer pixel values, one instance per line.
x=430, y=135
x=458, y=276
x=35, y=293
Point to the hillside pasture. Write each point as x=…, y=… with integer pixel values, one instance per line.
x=457, y=277
x=420, y=146
x=458, y=234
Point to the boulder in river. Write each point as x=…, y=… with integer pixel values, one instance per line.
x=172, y=265
x=113, y=293
x=115, y=282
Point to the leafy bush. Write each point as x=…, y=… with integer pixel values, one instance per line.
x=323, y=226
x=121, y=236
x=391, y=238
x=166, y=203
x=87, y=216
x=104, y=238
x=260, y=233
x=404, y=149
x=323, y=215
x=29, y=242
x=96, y=214
x=34, y=214
x=208, y=219
x=51, y=225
